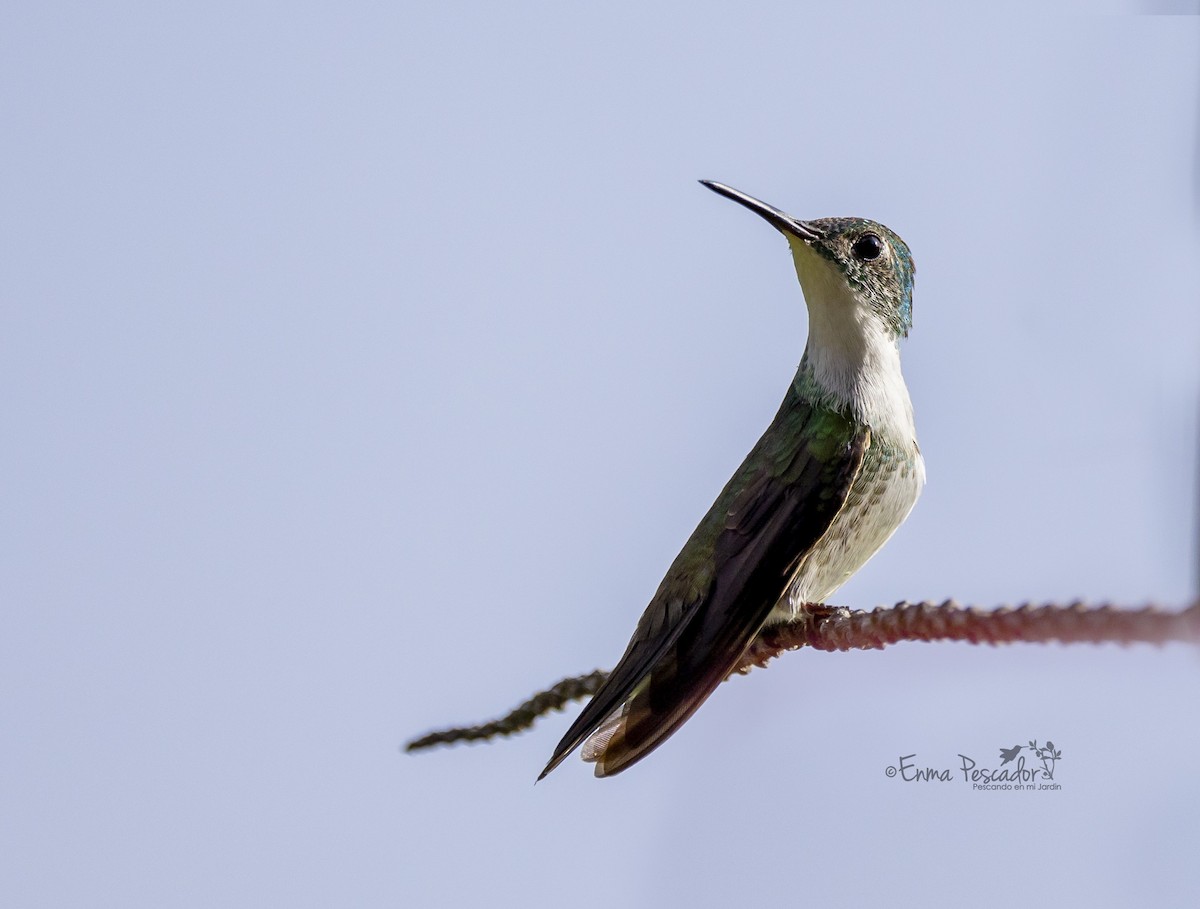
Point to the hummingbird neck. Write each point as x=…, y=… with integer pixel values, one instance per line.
x=852, y=363
x=852, y=360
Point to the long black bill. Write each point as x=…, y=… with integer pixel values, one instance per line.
x=776, y=218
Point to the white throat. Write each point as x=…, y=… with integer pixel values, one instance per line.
x=852, y=354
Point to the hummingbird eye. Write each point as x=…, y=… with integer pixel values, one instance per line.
x=868, y=246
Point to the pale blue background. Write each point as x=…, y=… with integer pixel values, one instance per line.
x=365, y=365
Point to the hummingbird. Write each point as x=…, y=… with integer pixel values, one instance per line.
x=833, y=476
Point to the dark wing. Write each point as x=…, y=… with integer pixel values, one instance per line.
x=724, y=583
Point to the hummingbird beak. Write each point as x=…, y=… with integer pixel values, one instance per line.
x=781, y=221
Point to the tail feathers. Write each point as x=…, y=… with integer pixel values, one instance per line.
x=641, y=725
x=597, y=743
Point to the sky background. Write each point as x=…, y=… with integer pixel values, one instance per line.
x=365, y=366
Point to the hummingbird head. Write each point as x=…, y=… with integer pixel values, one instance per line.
x=834, y=255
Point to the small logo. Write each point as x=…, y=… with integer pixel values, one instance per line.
x=1047, y=754
x=1015, y=773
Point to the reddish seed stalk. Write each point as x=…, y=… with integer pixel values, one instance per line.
x=835, y=628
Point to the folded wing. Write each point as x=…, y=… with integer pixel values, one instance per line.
x=723, y=585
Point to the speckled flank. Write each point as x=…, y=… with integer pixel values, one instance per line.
x=881, y=497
